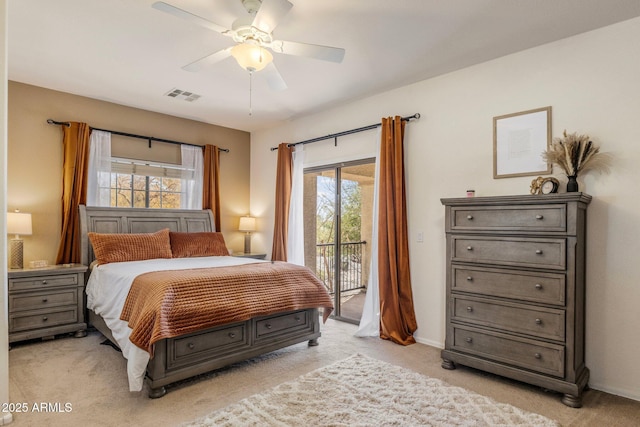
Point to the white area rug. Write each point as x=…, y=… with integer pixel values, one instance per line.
x=360, y=391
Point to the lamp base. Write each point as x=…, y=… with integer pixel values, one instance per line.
x=16, y=250
x=247, y=243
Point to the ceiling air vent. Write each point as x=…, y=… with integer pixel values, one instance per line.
x=183, y=94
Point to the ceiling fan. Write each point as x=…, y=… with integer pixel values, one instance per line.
x=254, y=40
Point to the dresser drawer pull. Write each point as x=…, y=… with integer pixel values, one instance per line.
x=538, y=286
x=539, y=251
x=539, y=217
x=469, y=340
x=537, y=356
x=232, y=335
x=267, y=325
x=538, y=322
x=469, y=217
x=469, y=248
x=469, y=308
x=44, y=282
x=45, y=318
x=297, y=318
x=469, y=279
x=45, y=300
x=191, y=346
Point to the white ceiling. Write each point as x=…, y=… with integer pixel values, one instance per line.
x=125, y=52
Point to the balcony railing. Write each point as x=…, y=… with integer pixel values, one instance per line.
x=351, y=276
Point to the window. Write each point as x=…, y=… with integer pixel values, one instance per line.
x=145, y=185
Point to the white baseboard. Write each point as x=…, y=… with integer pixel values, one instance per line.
x=629, y=394
x=6, y=419
x=431, y=343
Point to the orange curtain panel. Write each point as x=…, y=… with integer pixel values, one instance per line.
x=75, y=144
x=211, y=185
x=397, y=316
x=283, y=199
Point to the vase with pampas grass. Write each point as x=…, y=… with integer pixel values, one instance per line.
x=575, y=153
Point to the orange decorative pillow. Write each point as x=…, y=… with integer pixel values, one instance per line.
x=111, y=247
x=184, y=245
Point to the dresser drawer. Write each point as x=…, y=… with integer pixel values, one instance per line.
x=39, y=282
x=540, y=287
x=510, y=218
x=36, y=300
x=529, y=354
x=28, y=320
x=540, y=322
x=525, y=252
x=284, y=323
x=204, y=345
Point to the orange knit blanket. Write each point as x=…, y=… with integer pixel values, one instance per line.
x=165, y=304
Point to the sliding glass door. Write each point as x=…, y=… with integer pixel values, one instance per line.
x=338, y=207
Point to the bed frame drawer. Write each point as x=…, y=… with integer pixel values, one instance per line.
x=282, y=324
x=194, y=347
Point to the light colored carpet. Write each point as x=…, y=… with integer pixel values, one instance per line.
x=361, y=391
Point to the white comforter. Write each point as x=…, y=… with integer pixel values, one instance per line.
x=107, y=290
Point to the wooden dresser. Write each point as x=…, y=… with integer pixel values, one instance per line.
x=516, y=288
x=47, y=301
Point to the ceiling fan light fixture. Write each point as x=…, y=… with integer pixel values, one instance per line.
x=251, y=57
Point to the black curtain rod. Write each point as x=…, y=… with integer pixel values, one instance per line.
x=346, y=132
x=131, y=135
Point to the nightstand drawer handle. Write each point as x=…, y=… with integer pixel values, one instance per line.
x=469, y=217
x=297, y=318
x=539, y=251
x=45, y=318
x=267, y=325
x=45, y=300
x=191, y=346
x=469, y=248
x=44, y=282
x=469, y=279
x=538, y=322
x=539, y=217
x=469, y=308
x=469, y=340
x=537, y=356
x=232, y=334
x=538, y=286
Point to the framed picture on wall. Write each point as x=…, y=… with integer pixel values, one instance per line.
x=518, y=142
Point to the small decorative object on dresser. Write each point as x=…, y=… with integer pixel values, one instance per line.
x=575, y=153
x=544, y=185
x=516, y=288
x=47, y=301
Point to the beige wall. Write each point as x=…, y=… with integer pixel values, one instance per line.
x=5, y=418
x=591, y=82
x=35, y=157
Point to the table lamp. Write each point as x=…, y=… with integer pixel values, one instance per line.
x=247, y=224
x=18, y=223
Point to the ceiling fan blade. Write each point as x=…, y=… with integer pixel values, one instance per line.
x=274, y=79
x=208, y=60
x=183, y=14
x=325, y=53
x=270, y=14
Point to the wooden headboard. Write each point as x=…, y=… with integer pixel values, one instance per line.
x=136, y=220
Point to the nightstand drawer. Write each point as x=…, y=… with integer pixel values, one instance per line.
x=529, y=354
x=37, y=300
x=525, y=252
x=541, y=287
x=510, y=218
x=38, y=282
x=540, y=322
x=42, y=319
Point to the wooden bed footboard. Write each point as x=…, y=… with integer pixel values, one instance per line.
x=200, y=352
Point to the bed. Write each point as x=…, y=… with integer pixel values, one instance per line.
x=185, y=352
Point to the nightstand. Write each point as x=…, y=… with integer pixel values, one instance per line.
x=46, y=301
x=249, y=255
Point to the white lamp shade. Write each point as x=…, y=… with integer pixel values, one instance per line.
x=251, y=57
x=19, y=223
x=247, y=223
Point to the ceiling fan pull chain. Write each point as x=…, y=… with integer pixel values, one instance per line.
x=250, y=90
